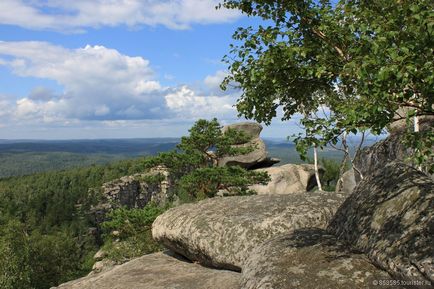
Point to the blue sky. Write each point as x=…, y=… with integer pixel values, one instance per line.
x=114, y=69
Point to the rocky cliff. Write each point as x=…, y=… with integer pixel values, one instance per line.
x=382, y=230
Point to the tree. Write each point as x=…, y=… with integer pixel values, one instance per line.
x=331, y=174
x=15, y=272
x=207, y=182
x=194, y=165
x=134, y=236
x=361, y=59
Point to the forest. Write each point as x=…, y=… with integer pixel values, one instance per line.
x=349, y=68
x=45, y=222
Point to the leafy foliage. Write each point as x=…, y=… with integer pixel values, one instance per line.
x=194, y=165
x=44, y=237
x=363, y=60
x=207, y=139
x=206, y=182
x=133, y=232
x=14, y=256
x=331, y=173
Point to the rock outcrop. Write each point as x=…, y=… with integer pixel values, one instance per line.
x=369, y=159
x=157, y=271
x=287, y=179
x=251, y=129
x=134, y=192
x=308, y=258
x=222, y=232
x=258, y=157
x=398, y=126
x=390, y=217
x=348, y=182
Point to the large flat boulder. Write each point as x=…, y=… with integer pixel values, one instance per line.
x=308, y=258
x=252, y=129
x=287, y=179
x=157, y=271
x=390, y=217
x=222, y=232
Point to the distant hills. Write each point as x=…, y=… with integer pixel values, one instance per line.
x=24, y=157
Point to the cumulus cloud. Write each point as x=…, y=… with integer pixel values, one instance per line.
x=79, y=14
x=101, y=84
x=5, y=107
x=98, y=82
x=213, y=81
x=186, y=103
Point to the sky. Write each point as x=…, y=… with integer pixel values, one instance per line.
x=88, y=69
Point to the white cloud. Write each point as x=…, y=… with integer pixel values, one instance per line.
x=5, y=108
x=187, y=103
x=101, y=84
x=79, y=14
x=213, y=81
x=97, y=81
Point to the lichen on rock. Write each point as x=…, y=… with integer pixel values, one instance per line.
x=390, y=217
x=221, y=232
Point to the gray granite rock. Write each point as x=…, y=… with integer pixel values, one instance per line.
x=251, y=159
x=287, y=179
x=348, y=182
x=374, y=157
x=399, y=126
x=308, y=258
x=134, y=191
x=221, y=232
x=157, y=271
x=252, y=129
x=390, y=217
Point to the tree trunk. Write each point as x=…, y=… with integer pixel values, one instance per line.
x=417, y=129
x=315, y=159
x=343, y=163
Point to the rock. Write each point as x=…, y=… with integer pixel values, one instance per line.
x=268, y=162
x=252, y=129
x=390, y=217
x=134, y=192
x=308, y=258
x=101, y=254
x=102, y=266
x=287, y=179
x=222, y=232
x=369, y=159
x=258, y=155
x=398, y=126
x=258, y=158
x=348, y=182
x=157, y=271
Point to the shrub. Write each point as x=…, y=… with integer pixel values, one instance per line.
x=132, y=229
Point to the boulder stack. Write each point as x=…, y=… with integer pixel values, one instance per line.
x=258, y=157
